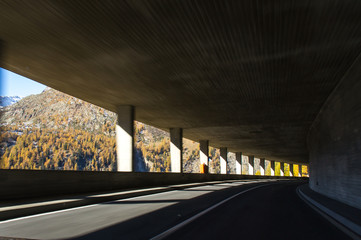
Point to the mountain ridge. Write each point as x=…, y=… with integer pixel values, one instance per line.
x=8, y=100
x=57, y=112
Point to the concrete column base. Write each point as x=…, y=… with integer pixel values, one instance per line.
x=176, y=149
x=223, y=160
x=250, y=165
x=262, y=166
x=291, y=169
x=125, y=138
x=204, y=155
x=238, y=163
x=273, y=167
x=282, y=169
x=204, y=151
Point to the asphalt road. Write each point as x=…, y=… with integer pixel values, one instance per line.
x=249, y=210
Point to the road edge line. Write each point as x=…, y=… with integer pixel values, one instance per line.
x=150, y=191
x=345, y=225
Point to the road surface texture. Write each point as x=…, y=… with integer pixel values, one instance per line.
x=229, y=210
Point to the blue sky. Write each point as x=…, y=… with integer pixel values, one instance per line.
x=15, y=85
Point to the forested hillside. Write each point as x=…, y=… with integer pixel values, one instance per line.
x=34, y=148
x=55, y=131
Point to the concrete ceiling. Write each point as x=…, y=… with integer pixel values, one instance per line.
x=245, y=74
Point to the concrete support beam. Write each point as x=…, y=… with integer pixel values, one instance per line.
x=238, y=163
x=223, y=160
x=125, y=138
x=250, y=165
x=300, y=170
x=282, y=169
x=204, y=151
x=273, y=167
x=262, y=166
x=291, y=169
x=176, y=149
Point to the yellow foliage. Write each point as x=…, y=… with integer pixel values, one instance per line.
x=55, y=150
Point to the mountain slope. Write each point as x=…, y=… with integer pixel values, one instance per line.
x=55, y=110
x=8, y=100
x=71, y=123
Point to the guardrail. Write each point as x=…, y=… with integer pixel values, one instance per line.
x=23, y=184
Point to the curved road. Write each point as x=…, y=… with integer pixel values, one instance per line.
x=229, y=210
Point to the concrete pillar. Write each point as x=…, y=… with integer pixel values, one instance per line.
x=238, y=163
x=272, y=167
x=223, y=160
x=291, y=169
x=300, y=170
x=250, y=165
x=262, y=166
x=282, y=169
x=204, y=151
x=124, y=138
x=176, y=149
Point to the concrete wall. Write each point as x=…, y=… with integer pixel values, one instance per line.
x=20, y=184
x=334, y=142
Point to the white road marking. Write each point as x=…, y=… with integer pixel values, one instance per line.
x=347, y=226
x=88, y=206
x=182, y=224
x=72, y=209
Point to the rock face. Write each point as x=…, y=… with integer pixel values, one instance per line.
x=52, y=110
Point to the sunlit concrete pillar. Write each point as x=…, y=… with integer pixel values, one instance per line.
x=176, y=149
x=124, y=138
x=273, y=167
x=282, y=169
x=250, y=165
x=291, y=169
x=204, y=151
x=238, y=163
x=262, y=166
x=223, y=160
